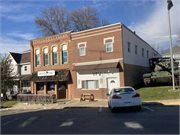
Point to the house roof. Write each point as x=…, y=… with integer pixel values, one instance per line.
x=16, y=56
x=26, y=57
x=175, y=50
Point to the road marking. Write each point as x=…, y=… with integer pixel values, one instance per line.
x=100, y=109
x=65, y=109
x=27, y=122
x=148, y=108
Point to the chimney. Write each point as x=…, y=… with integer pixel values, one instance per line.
x=134, y=32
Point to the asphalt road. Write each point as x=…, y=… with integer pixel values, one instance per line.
x=150, y=120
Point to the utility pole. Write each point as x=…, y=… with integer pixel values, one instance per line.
x=169, y=5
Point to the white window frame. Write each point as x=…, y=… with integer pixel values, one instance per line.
x=64, y=57
x=129, y=47
x=55, y=58
x=46, y=60
x=109, y=47
x=82, y=52
x=136, y=49
x=25, y=68
x=142, y=52
x=147, y=54
x=96, y=84
x=37, y=60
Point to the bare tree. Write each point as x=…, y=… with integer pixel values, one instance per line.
x=105, y=22
x=84, y=18
x=53, y=20
x=57, y=19
x=158, y=48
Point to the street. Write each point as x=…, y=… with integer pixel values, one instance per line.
x=97, y=120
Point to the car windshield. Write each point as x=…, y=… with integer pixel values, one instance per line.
x=123, y=90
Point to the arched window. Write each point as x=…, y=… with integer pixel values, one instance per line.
x=64, y=55
x=54, y=56
x=37, y=58
x=46, y=57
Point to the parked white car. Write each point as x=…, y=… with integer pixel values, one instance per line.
x=124, y=97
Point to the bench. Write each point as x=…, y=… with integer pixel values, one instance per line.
x=86, y=96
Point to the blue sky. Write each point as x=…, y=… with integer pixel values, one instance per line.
x=148, y=18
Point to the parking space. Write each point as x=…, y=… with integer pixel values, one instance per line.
x=92, y=120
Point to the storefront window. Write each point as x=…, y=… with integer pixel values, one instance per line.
x=40, y=86
x=51, y=86
x=61, y=86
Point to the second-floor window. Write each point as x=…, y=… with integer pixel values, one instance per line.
x=109, y=47
x=55, y=60
x=46, y=57
x=142, y=52
x=147, y=54
x=82, y=51
x=129, y=47
x=64, y=55
x=135, y=49
x=37, y=58
x=25, y=68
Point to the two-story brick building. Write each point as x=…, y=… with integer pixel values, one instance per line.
x=90, y=61
x=51, y=65
x=107, y=57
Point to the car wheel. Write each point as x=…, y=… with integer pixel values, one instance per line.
x=109, y=105
x=139, y=108
x=112, y=110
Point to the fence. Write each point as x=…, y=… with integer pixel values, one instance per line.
x=31, y=98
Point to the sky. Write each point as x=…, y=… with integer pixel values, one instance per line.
x=149, y=18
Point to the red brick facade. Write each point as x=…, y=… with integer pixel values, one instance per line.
x=95, y=50
x=48, y=42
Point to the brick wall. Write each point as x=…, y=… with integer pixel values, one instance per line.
x=133, y=74
x=59, y=40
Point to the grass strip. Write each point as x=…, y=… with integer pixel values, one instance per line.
x=157, y=93
x=9, y=103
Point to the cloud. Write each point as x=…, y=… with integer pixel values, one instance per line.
x=101, y=5
x=155, y=27
x=21, y=18
x=11, y=45
x=25, y=36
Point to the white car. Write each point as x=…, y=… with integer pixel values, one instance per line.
x=124, y=97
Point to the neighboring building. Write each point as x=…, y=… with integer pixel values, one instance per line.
x=51, y=66
x=176, y=53
x=107, y=57
x=21, y=66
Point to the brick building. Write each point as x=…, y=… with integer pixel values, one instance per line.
x=90, y=61
x=51, y=65
x=107, y=57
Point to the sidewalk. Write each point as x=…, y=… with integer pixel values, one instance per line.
x=72, y=103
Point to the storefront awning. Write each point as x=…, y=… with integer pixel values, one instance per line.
x=60, y=75
x=96, y=66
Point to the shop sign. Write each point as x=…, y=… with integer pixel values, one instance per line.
x=46, y=73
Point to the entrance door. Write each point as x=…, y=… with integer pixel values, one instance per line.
x=111, y=83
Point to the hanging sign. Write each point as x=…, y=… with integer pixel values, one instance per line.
x=46, y=73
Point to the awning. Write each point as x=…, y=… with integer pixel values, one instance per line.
x=26, y=78
x=96, y=66
x=60, y=75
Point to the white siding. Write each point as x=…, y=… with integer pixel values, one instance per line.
x=101, y=75
x=131, y=57
x=28, y=71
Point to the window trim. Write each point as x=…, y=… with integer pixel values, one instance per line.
x=25, y=68
x=136, y=49
x=108, y=47
x=46, y=64
x=129, y=47
x=86, y=84
x=142, y=52
x=80, y=51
